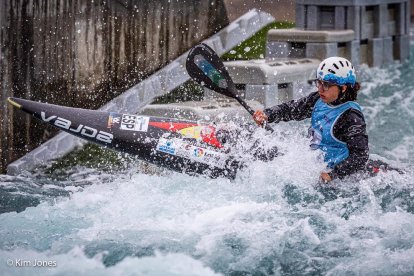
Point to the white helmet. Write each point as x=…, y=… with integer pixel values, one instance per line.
x=336, y=70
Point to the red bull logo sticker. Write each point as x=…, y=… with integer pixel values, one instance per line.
x=191, y=132
x=204, y=133
x=207, y=134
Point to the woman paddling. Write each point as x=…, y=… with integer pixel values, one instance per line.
x=337, y=123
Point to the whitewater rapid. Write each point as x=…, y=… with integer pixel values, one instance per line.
x=273, y=218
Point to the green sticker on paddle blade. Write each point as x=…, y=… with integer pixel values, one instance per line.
x=212, y=73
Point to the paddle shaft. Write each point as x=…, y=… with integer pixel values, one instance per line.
x=241, y=101
x=235, y=95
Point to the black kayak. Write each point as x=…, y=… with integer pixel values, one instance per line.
x=179, y=145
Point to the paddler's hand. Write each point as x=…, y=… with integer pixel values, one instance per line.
x=260, y=117
x=325, y=177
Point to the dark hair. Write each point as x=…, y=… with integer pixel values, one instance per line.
x=350, y=94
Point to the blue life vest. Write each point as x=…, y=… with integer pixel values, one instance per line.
x=324, y=117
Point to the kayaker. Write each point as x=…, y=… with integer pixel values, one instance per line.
x=337, y=122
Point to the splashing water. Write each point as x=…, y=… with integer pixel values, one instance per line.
x=272, y=219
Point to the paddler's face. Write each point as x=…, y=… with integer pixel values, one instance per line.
x=328, y=92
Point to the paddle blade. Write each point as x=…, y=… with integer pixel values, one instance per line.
x=206, y=68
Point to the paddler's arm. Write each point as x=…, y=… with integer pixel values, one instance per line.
x=351, y=129
x=296, y=110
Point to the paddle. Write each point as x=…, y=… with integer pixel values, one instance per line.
x=207, y=69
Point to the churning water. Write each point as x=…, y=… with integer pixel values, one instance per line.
x=273, y=219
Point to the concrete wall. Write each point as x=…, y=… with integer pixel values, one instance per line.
x=282, y=10
x=83, y=53
x=381, y=28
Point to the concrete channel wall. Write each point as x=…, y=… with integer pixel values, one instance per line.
x=381, y=29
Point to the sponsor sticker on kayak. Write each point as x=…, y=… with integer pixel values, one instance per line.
x=179, y=148
x=202, y=155
x=167, y=146
x=134, y=122
x=114, y=118
x=207, y=134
